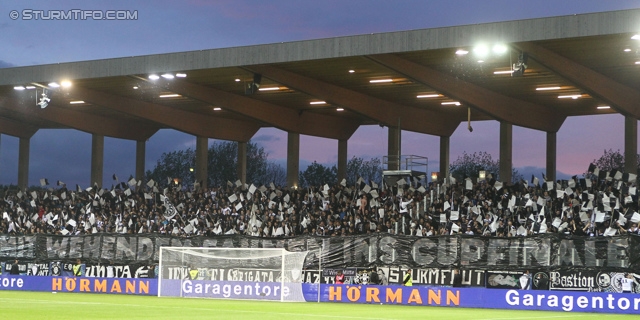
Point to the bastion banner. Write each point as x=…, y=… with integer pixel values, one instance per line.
x=547, y=251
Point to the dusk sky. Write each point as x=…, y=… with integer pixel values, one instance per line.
x=173, y=26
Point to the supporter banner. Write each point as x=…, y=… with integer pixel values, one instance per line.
x=503, y=279
x=573, y=280
x=546, y=251
x=80, y=284
x=479, y=298
x=221, y=274
x=435, y=276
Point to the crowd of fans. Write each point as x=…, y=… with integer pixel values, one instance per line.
x=596, y=206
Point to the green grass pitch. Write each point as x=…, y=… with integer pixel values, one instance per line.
x=45, y=305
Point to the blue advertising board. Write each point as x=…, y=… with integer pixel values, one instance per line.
x=603, y=302
x=80, y=284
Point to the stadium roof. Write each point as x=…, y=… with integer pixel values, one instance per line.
x=591, y=59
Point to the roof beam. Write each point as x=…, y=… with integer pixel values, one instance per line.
x=388, y=113
x=16, y=129
x=83, y=121
x=500, y=107
x=622, y=98
x=287, y=119
x=201, y=125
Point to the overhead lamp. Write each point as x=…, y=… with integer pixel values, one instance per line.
x=627, y=50
x=168, y=76
x=480, y=61
x=317, y=102
x=636, y=37
x=520, y=66
x=181, y=75
x=153, y=77
x=19, y=88
x=269, y=89
x=451, y=103
x=44, y=100
x=339, y=109
x=54, y=85
x=603, y=107
x=431, y=95
x=481, y=50
x=380, y=80
x=503, y=72
x=76, y=102
x=170, y=95
x=30, y=87
x=461, y=52
x=499, y=48
x=570, y=96
x=547, y=88
x=217, y=109
x=136, y=87
x=637, y=62
x=352, y=71
x=254, y=86
x=237, y=79
x=65, y=84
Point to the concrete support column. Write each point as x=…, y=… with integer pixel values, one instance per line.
x=506, y=151
x=293, y=159
x=444, y=158
x=140, y=158
x=242, y=162
x=630, y=145
x=342, y=159
x=551, y=156
x=23, y=163
x=97, y=159
x=202, y=146
x=394, y=148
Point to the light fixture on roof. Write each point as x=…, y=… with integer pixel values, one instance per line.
x=255, y=85
x=317, y=102
x=503, y=72
x=480, y=61
x=547, y=88
x=451, y=103
x=153, y=77
x=339, y=109
x=520, y=66
x=136, y=87
x=44, y=100
x=627, y=50
x=217, y=109
x=431, y=95
x=570, y=96
x=636, y=37
x=637, y=62
x=603, y=107
x=54, y=85
x=65, y=84
x=237, y=79
x=169, y=95
x=461, y=52
x=76, y=102
x=499, y=48
x=352, y=71
x=481, y=50
x=181, y=75
x=168, y=76
x=380, y=80
x=30, y=87
x=19, y=88
x=270, y=89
